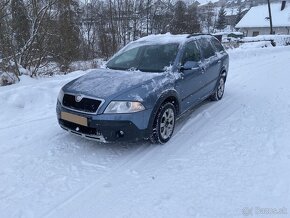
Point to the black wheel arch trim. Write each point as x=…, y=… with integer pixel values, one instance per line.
x=165, y=95
x=223, y=72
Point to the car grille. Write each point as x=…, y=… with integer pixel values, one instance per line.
x=85, y=105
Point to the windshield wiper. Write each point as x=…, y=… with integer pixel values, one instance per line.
x=116, y=68
x=151, y=70
x=133, y=69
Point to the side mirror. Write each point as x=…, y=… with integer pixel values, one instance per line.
x=189, y=65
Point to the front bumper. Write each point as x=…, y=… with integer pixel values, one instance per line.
x=108, y=127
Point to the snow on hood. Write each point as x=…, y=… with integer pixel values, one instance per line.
x=102, y=83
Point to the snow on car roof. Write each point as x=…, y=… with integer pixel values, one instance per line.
x=164, y=38
x=167, y=38
x=256, y=16
x=227, y=33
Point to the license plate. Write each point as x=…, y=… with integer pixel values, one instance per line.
x=74, y=118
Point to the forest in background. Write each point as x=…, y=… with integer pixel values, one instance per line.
x=36, y=33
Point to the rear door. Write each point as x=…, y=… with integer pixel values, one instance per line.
x=211, y=64
x=221, y=53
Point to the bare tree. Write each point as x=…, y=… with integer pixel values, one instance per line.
x=35, y=32
x=7, y=48
x=35, y=49
x=209, y=17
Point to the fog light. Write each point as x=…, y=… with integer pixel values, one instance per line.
x=120, y=134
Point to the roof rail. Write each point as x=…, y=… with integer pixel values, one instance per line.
x=198, y=34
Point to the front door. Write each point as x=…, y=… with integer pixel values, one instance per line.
x=191, y=80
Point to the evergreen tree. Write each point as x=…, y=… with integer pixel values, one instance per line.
x=67, y=49
x=221, y=22
x=179, y=25
x=193, y=25
x=20, y=22
x=185, y=19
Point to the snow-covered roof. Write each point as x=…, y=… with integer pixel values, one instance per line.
x=164, y=38
x=167, y=38
x=256, y=16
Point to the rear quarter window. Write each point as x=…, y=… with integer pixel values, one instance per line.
x=218, y=46
x=206, y=48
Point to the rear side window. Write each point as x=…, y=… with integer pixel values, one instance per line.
x=206, y=47
x=217, y=45
x=191, y=53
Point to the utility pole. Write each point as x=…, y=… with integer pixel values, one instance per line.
x=270, y=17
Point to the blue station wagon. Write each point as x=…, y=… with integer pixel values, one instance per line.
x=144, y=88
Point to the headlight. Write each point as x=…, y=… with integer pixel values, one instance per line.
x=123, y=107
x=60, y=96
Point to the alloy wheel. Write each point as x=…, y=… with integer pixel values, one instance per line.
x=167, y=123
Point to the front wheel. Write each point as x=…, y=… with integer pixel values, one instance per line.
x=219, y=91
x=164, y=124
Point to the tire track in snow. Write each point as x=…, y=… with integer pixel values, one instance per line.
x=139, y=158
x=139, y=152
x=27, y=122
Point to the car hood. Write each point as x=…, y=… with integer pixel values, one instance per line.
x=103, y=83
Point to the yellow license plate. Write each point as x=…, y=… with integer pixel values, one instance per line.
x=74, y=118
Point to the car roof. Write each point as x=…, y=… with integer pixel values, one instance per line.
x=170, y=38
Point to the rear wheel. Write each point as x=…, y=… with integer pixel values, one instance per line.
x=164, y=124
x=219, y=91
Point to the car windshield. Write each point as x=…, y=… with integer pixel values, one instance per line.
x=147, y=58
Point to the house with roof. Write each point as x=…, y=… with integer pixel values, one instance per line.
x=257, y=22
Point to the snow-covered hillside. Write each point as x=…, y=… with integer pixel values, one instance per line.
x=226, y=158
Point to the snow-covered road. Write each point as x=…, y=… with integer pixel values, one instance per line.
x=226, y=159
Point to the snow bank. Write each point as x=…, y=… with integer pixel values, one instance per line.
x=7, y=78
x=279, y=40
x=48, y=70
x=263, y=44
x=251, y=51
x=260, y=41
x=23, y=97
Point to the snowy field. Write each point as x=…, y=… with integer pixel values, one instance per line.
x=226, y=159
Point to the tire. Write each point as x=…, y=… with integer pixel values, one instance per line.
x=163, y=126
x=219, y=90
